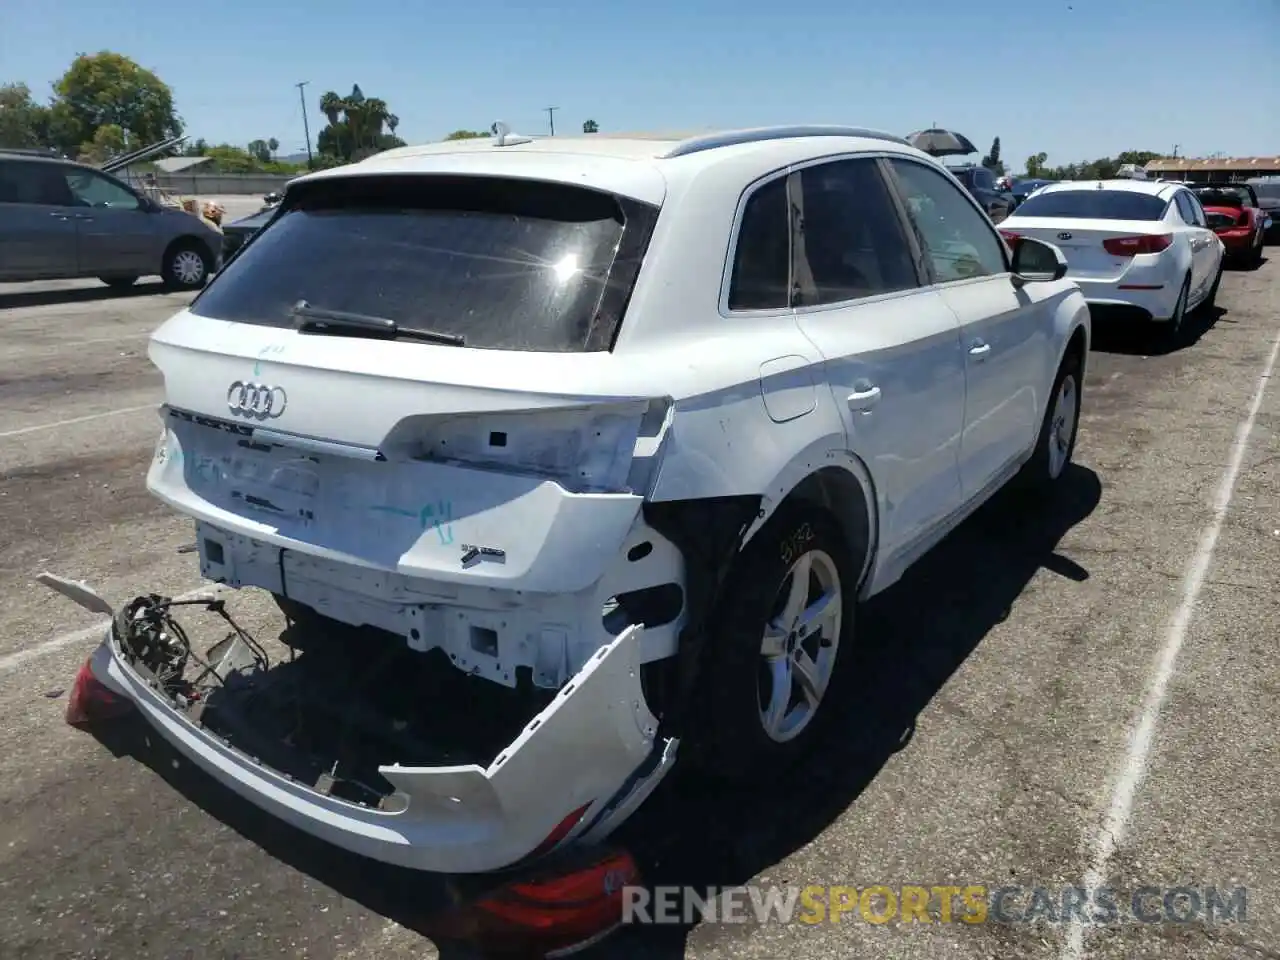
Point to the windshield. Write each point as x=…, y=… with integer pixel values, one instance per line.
x=505, y=264
x=1224, y=197
x=1094, y=204
x=1270, y=190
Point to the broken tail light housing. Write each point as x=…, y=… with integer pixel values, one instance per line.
x=92, y=700
x=1133, y=246
x=592, y=448
x=554, y=912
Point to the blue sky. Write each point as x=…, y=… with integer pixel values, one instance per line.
x=1076, y=79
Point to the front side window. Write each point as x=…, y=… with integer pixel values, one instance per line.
x=499, y=263
x=958, y=240
x=95, y=190
x=761, y=259
x=851, y=240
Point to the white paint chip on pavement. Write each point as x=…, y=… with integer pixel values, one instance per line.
x=1134, y=764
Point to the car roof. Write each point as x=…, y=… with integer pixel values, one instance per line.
x=640, y=165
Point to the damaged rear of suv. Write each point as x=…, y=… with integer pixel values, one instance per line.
x=390, y=412
x=563, y=456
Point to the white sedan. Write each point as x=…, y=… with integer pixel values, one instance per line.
x=1128, y=243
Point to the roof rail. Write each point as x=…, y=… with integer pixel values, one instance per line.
x=48, y=152
x=758, y=134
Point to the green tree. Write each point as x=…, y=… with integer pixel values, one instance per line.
x=357, y=126
x=1035, y=164
x=260, y=150
x=23, y=122
x=992, y=160
x=590, y=126
x=467, y=135
x=109, y=89
x=273, y=145
x=108, y=141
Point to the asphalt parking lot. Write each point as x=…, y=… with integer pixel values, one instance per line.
x=1089, y=690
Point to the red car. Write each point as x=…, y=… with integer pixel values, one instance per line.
x=1232, y=212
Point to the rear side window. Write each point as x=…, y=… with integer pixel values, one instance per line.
x=504, y=264
x=761, y=259
x=1094, y=204
x=853, y=244
x=36, y=183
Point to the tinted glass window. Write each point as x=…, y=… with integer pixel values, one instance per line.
x=1194, y=208
x=959, y=241
x=39, y=183
x=505, y=264
x=761, y=272
x=983, y=179
x=1224, y=197
x=1267, y=189
x=93, y=190
x=852, y=244
x=1094, y=204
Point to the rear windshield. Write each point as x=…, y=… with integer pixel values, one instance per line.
x=1094, y=204
x=1224, y=197
x=504, y=264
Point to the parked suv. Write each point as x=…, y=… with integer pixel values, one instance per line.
x=62, y=220
x=981, y=182
x=610, y=434
x=1267, y=190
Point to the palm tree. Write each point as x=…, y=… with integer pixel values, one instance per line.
x=273, y=145
x=392, y=122
x=590, y=127
x=331, y=105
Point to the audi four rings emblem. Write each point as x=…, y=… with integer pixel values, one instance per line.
x=256, y=400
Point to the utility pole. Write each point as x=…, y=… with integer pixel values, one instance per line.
x=1175, y=150
x=551, y=118
x=306, y=127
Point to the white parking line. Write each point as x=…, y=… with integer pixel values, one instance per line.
x=12, y=660
x=1134, y=765
x=85, y=419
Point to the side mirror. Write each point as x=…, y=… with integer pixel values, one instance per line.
x=1035, y=261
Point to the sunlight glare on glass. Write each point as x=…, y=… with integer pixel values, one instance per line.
x=566, y=267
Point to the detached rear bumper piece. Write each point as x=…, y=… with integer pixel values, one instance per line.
x=576, y=760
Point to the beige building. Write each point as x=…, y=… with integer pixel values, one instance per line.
x=1213, y=168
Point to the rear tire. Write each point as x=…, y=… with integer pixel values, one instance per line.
x=768, y=676
x=1058, y=430
x=1255, y=255
x=1171, y=329
x=186, y=266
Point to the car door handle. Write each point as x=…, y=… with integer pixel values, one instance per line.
x=864, y=399
x=979, y=350
x=59, y=216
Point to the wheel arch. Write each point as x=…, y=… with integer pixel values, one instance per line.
x=839, y=482
x=183, y=241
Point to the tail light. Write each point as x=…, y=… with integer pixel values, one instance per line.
x=1243, y=219
x=1133, y=246
x=91, y=700
x=553, y=913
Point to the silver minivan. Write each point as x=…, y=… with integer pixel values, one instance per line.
x=62, y=220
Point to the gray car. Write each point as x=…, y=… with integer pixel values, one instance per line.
x=63, y=220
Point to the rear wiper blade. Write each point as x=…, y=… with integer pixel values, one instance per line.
x=309, y=319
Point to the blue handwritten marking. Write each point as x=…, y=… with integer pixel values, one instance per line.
x=437, y=516
x=272, y=349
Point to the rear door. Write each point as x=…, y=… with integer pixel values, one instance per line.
x=1204, y=243
x=37, y=232
x=1005, y=330
x=892, y=347
x=116, y=233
